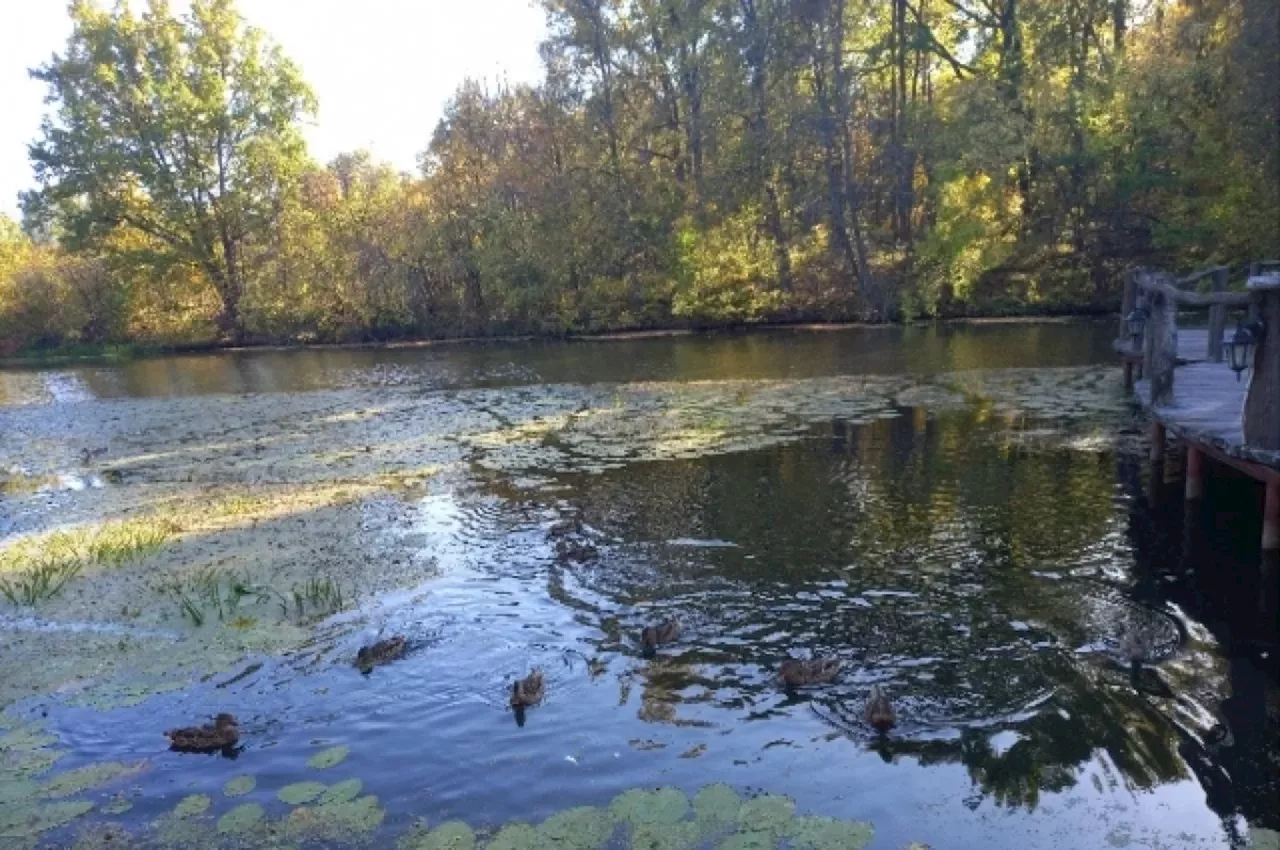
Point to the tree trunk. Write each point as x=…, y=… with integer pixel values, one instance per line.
x=762, y=159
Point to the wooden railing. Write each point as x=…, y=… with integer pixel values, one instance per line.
x=1161, y=295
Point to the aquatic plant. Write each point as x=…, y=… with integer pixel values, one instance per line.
x=40, y=567
x=89, y=776
x=40, y=581
x=241, y=819
x=210, y=590
x=328, y=758
x=301, y=792
x=239, y=786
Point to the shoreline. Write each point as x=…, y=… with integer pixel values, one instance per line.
x=129, y=352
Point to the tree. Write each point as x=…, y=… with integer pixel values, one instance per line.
x=184, y=129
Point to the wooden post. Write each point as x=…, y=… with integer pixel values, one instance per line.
x=1160, y=355
x=1217, y=317
x=1195, y=473
x=1271, y=518
x=1262, y=401
x=1128, y=303
x=1157, y=442
x=1128, y=375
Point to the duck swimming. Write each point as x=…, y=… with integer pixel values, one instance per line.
x=797, y=673
x=224, y=733
x=527, y=691
x=879, y=711
x=651, y=637
x=382, y=652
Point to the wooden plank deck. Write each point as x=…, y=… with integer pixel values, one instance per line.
x=1208, y=408
x=1193, y=346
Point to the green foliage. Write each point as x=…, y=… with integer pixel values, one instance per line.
x=680, y=164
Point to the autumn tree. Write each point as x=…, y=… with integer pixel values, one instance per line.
x=182, y=128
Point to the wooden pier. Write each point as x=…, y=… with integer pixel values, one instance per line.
x=1184, y=380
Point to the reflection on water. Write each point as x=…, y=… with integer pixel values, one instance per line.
x=985, y=577
x=778, y=354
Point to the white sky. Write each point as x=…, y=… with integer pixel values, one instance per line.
x=382, y=70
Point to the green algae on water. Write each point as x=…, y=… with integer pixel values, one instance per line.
x=451, y=835
x=89, y=776
x=333, y=823
x=328, y=758
x=816, y=833
x=26, y=821
x=638, y=806
x=514, y=836
x=239, y=786
x=300, y=792
x=717, y=805
x=117, y=805
x=241, y=819
x=581, y=828
x=342, y=792
x=190, y=806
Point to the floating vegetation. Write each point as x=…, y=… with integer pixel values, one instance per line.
x=664, y=805
x=581, y=828
x=241, y=819
x=117, y=805
x=38, y=568
x=28, y=821
x=192, y=805
x=316, y=599
x=239, y=786
x=209, y=590
x=452, y=835
x=89, y=776
x=514, y=836
x=328, y=758
x=300, y=792
x=332, y=823
x=342, y=792
x=815, y=833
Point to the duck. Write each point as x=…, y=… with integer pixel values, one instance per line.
x=651, y=637
x=879, y=711
x=382, y=652
x=224, y=733
x=799, y=673
x=528, y=691
x=89, y=455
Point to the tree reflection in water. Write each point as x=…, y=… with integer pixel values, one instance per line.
x=984, y=571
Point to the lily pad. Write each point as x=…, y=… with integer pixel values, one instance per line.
x=452, y=835
x=89, y=776
x=666, y=836
x=26, y=821
x=638, y=806
x=117, y=805
x=239, y=786
x=814, y=833
x=328, y=758
x=334, y=823
x=342, y=792
x=767, y=814
x=241, y=819
x=300, y=792
x=717, y=805
x=195, y=804
x=514, y=836
x=583, y=828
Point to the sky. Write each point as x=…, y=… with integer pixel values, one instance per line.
x=382, y=70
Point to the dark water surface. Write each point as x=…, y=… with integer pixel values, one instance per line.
x=982, y=568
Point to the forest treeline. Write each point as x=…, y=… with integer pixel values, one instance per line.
x=682, y=163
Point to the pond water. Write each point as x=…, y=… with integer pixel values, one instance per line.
x=963, y=515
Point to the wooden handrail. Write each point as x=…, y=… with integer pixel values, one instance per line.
x=1194, y=299
x=1194, y=277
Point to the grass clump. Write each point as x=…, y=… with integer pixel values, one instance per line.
x=37, y=569
x=210, y=591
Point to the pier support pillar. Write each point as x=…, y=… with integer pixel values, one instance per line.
x=1157, y=442
x=1195, y=473
x=1271, y=518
